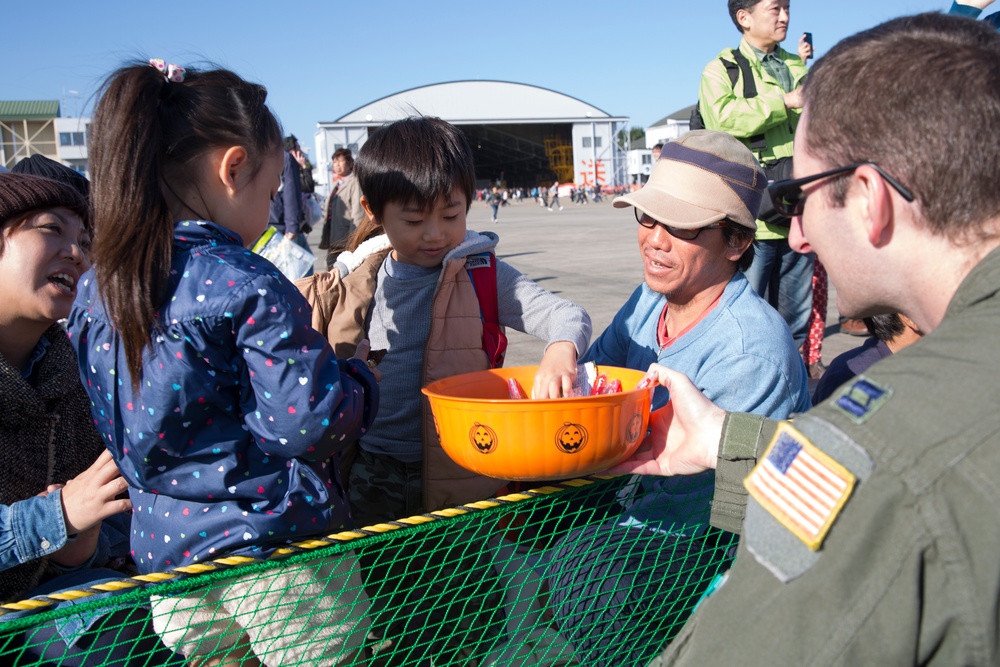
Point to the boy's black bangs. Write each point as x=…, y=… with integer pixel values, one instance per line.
x=422, y=187
x=415, y=161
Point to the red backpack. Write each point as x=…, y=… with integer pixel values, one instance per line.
x=482, y=269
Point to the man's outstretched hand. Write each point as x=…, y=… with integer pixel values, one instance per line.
x=683, y=435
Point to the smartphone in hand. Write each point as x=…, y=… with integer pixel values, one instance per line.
x=809, y=40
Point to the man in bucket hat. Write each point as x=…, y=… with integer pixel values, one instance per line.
x=695, y=312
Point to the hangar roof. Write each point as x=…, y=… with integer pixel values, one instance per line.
x=476, y=102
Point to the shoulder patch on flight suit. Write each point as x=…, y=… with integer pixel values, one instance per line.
x=860, y=398
x=797, y=491
x=803, y=488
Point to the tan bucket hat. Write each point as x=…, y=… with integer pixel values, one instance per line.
x=701, y=177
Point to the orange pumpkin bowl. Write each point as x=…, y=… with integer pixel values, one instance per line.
x=488, y=433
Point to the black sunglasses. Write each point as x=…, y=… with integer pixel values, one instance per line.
x=649, y=222
x=787, y=195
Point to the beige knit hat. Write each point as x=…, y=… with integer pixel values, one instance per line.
x=701, y=177
x=21, y=193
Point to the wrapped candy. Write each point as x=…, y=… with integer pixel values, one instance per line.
x=612, y=387
x=514, y=389
x=586, y=375
x=605, y=386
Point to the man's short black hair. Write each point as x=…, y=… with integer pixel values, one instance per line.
x=735, y=235
x=737, y=5
x=416, y=160
x=885, y=327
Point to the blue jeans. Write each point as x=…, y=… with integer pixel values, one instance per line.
x=783, y=278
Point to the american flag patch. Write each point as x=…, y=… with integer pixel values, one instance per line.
x=801, y=487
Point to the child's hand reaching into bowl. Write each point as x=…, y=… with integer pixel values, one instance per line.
x=556, y=372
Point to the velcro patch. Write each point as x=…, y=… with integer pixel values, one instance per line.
x=861, y=398
x=480, y=261
x=800, y=486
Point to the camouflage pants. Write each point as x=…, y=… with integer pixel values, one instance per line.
x=380, y=488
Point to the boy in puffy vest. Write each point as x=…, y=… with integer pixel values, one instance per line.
x=409, y=291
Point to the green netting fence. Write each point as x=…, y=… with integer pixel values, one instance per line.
x=548, y=576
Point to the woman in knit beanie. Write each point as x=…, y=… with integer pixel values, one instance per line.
x=57, y=481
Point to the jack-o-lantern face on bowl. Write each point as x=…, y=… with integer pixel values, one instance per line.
x=634, y=429
x=571, y=438
x=484, y=430
x=483, y=438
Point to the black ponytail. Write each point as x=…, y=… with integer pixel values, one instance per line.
x=146, y=138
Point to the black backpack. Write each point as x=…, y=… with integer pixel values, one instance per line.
x=757, y=142
x=775, y=171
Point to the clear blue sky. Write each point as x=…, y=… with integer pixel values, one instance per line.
x=320, y=60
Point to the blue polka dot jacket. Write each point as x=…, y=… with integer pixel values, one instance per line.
x=231, y=444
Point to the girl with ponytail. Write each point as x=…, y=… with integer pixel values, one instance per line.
x=224, y=410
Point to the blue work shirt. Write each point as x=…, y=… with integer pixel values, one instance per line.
x=740, y=355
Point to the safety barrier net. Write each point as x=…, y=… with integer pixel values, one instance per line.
x=550, y=576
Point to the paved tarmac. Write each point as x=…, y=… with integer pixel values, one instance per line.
x=588, y=254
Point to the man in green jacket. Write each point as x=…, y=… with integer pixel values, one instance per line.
x=766, y=124
x=870, y=534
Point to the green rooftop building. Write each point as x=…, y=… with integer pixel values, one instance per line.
x=33, y=127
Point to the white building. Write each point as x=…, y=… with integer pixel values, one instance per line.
x=669, y=128
x=521, y=135
x=73, y=135
x=640, y=163
x=640, y=160
x=35, y=127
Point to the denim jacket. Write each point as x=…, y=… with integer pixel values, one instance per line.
x=33, y=528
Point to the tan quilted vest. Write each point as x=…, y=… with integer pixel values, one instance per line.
x=454, y=346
